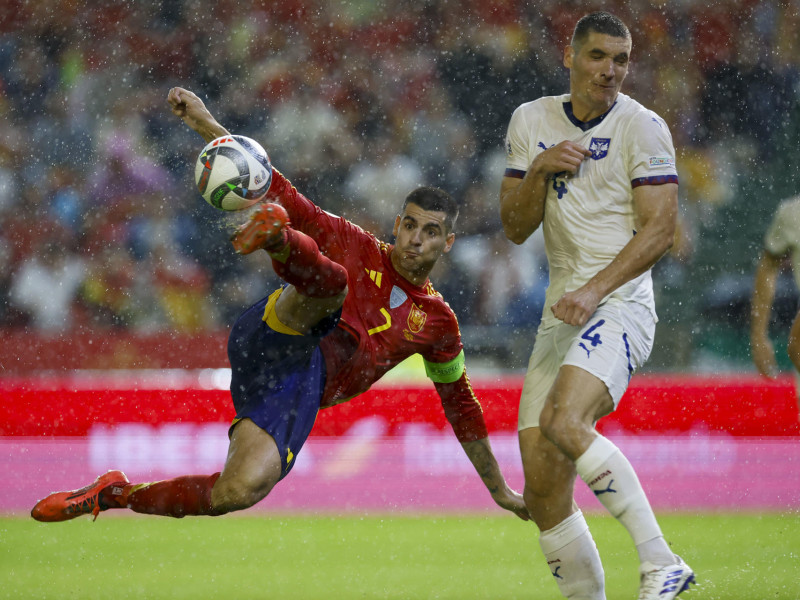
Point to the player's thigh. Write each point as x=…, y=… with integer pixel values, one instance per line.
x=302, y=313
x=541, y=374
x=576, y=397
x=253, y=465
x=612, y=345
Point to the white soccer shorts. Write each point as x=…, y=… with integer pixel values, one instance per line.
x=614, y=343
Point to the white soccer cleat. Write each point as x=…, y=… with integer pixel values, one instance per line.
x=664, y=583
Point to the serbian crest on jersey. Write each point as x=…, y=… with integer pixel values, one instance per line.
x=416, y=319
x=599, y=147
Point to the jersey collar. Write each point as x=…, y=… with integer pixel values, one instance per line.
x=585, y=125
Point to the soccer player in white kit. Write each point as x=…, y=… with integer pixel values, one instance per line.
x=782, y=239
x=597, y=170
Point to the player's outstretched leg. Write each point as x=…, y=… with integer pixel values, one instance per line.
x=252, y=469
x=296, y=257
x=178, y=497
x=63, y=506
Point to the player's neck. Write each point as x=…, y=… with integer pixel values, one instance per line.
x=585, y=112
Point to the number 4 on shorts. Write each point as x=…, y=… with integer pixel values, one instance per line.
x=594, y=340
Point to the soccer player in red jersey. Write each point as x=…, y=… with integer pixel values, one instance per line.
x=352, y=308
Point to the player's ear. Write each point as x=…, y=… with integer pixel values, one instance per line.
x=569, y=53
x=396, y=227
x=451, y=237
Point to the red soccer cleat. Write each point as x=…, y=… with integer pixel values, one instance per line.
x=63, y=506
x=266, y=229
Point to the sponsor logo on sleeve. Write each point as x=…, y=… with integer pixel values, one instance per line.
x=661, y=161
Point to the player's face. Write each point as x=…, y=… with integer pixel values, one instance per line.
x=597, y=70
x=421, y=237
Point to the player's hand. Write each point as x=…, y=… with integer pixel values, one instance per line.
x=512, y=501
x=763, y=355
x=185, y=103
x=565, y=156
x=189, y=107
x=576, y=307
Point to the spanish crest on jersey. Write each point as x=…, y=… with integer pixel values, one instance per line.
x=416, y=319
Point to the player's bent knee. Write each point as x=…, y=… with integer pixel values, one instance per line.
x=230, y=495
x=566, y=431
x=554, y=425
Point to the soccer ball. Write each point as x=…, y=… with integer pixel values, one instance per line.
x=233, y=172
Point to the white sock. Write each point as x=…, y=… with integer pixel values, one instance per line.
x=573, y=559
x=611, y=477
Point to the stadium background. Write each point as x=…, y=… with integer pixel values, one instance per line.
x=96, y=196
x=117, y=282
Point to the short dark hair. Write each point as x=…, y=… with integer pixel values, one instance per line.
x=599, y=22
x=435, y=199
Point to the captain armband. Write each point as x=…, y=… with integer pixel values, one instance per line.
x=445, y=372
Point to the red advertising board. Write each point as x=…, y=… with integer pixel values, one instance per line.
x=688, y=437
x=70, y=405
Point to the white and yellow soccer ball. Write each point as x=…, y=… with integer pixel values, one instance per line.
x=233, y=172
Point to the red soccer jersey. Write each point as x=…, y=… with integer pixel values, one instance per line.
x=385, y=318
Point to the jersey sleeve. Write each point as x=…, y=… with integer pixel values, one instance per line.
x=462, y=409
x=651, y=153
x=332, y=233
x=517, y=145
x=444, y=365
x=445, y=349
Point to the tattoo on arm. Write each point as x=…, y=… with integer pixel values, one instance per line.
x=482, y=458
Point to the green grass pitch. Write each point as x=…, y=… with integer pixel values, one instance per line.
x=261, y=555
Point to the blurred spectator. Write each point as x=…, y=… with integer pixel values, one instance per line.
x=45, y=286
x=10, y=316
x=511, y=281
x=375, y=183
x=781, y=241
x=109, y=291
x=181, y=288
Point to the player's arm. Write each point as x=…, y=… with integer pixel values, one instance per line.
x=656, y=212
x=465, y=415
x=760, y=310
x=482, y=458
x=522, y=199
x=304, y=214
x=190, y=108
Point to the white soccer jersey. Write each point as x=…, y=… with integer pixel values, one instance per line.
x=589, y=216
x=783, y=234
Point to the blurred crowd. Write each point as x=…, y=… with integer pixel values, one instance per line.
x=357, y=102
